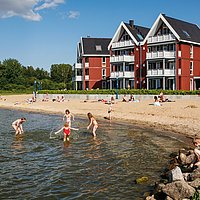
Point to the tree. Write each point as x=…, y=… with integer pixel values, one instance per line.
x=61, y=73
x=13, y=71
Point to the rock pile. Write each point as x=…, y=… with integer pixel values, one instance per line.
x=181, y=179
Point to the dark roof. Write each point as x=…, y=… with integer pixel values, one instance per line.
x=186, y=31
x=96, y=46
x=138, y=31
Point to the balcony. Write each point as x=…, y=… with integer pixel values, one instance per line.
x=87, y=78
x=87, y=65
x=161, y=72
x=78, y=66
x=124, y=58
x=125, y=74
x=161, y=54
x=121, y=44
x=77, y=78
x=161, y=38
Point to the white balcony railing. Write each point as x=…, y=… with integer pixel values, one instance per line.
x=125, y=74
x=78, y=66
x=161, y=54
x=86, y=64
x=78, y=78
x=87, y=78
x=161, y=38
x=161, y=72
x=122, y=44
x=124, y=58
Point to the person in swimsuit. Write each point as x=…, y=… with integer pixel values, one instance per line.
x=17, y=125
x=68, y=117
x=196, y=143
x=92, y=121
x=66, y=131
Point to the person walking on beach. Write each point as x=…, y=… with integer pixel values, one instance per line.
x=92, y=121
x=66, y=131
x=17, y=125
x=109, y=111
x=68, y=117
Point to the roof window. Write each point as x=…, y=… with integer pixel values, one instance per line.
x=186, y=34
x=140, y=36
x=98, y=48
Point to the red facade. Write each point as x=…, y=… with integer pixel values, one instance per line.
x=94, y=77
x=188, y=66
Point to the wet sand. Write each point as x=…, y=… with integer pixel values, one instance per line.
x=181, y=116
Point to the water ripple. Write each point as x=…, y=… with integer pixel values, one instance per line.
x=34, y=166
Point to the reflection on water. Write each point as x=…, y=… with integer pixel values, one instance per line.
x=33, y=166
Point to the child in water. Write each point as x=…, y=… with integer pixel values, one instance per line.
x=66, y=131
x=68, y=117
x=17, y=125
x=92, y=121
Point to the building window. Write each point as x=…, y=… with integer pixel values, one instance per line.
x=103, y=74
x=191, y=68
x=103, y=59
x=98, y=48
x=87, y=85
x=86, y=71
x=191, y=51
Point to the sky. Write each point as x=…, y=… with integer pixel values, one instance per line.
x=40, y=33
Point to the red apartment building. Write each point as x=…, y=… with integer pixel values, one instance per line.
x=173, y=57
x=92, y=69
x=128, y=56
x=167, y=56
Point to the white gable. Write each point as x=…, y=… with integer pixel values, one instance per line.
x=117, y=35
x=156, y=24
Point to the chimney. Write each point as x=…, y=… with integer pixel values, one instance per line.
x=131, y=23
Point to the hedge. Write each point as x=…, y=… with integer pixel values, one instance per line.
x=122, y=91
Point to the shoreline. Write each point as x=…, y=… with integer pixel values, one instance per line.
x=181, y=116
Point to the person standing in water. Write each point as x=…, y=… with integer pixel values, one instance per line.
x=17, y=125
x=68, y=117
x=66, y=131
x=92, y=121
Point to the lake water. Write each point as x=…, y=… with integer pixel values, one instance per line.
x=36, y=167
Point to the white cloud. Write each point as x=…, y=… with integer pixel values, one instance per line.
x=49, y=4
x=73, y=14
x=27, y=9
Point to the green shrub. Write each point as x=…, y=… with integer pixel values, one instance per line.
x=122, y=91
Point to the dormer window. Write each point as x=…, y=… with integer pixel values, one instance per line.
x=98, y=48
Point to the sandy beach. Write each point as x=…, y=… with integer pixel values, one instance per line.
x=181, y=116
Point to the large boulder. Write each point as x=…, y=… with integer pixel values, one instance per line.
x=178, y=190
x=175, y=174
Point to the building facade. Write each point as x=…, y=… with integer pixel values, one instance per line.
x=92, y=69
x=173, y=57
x=167, y=57
x=128, y=56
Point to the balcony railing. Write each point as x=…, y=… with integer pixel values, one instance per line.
x=78, y=66
x=86, y=64
x=161, y=54
x=161, y=38
x=124, y=58
x=87, y=78
x=125, y=74
x=77, y=78
x=161, y=72
x=121, y=44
